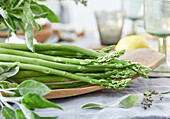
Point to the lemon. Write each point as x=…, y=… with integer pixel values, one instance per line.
x=132, y=42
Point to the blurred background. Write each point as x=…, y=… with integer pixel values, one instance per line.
x=81, y=25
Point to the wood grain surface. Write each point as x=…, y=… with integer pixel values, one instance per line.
x=145, y=56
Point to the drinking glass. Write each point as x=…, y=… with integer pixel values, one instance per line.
x=133, y=11
x=110, y=25
x=157, y=23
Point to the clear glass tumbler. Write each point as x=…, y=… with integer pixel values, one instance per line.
x=110, y=25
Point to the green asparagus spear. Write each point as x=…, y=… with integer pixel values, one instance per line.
x=106, y=49
x=66, y=67
x=60, y=53
x=46, y=47
x=43, y=79
x=114, y=74
x=104, y=83
x=28, y=73
x=45, y=57
x=66, y=86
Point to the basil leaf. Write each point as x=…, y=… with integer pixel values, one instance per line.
x=8, y=113
x=33, y=101
x=129, y=101
x=35, y=87
x=51, y=17
x=29, y=35
x=91, y=105
x=20, y=115
x=3, y=13
x=17, y=3
x=28, y=15
x=13, y=71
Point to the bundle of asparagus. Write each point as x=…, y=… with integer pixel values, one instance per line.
x=74, y=65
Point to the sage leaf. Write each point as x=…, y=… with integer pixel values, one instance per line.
x=33, y=101
x=28, y=113
x=51, y=17
x=43, y=15
x=5, y=67
x=7, y=85
x=1, y=70
x=20, y=115
x=8, y=113
x=3, y=13
x=91, y=105
x=28, y=15
x=13, y=71
x=21, y=26
x=17, y=3
x=10, y=23
x=33, y=87
x=36, y=9
x=29, y=35
x=129, y=101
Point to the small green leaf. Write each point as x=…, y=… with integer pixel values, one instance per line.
x=33, y=87
x=13, y=71
x=8, y=113
x=91, y=105
x=29, y=35
x=33, y=101
x=51, y=17
x=129, y=101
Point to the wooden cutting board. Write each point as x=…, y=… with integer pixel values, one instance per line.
x=145, y=56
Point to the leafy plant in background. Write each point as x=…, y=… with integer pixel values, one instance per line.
x=22, y=14
x=27, y=95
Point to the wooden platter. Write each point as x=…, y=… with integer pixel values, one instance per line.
x=145, y=56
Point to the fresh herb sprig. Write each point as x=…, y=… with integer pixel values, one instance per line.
x=22, y=14
x=148, y=98
x=27, y=95
x=29, y=98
